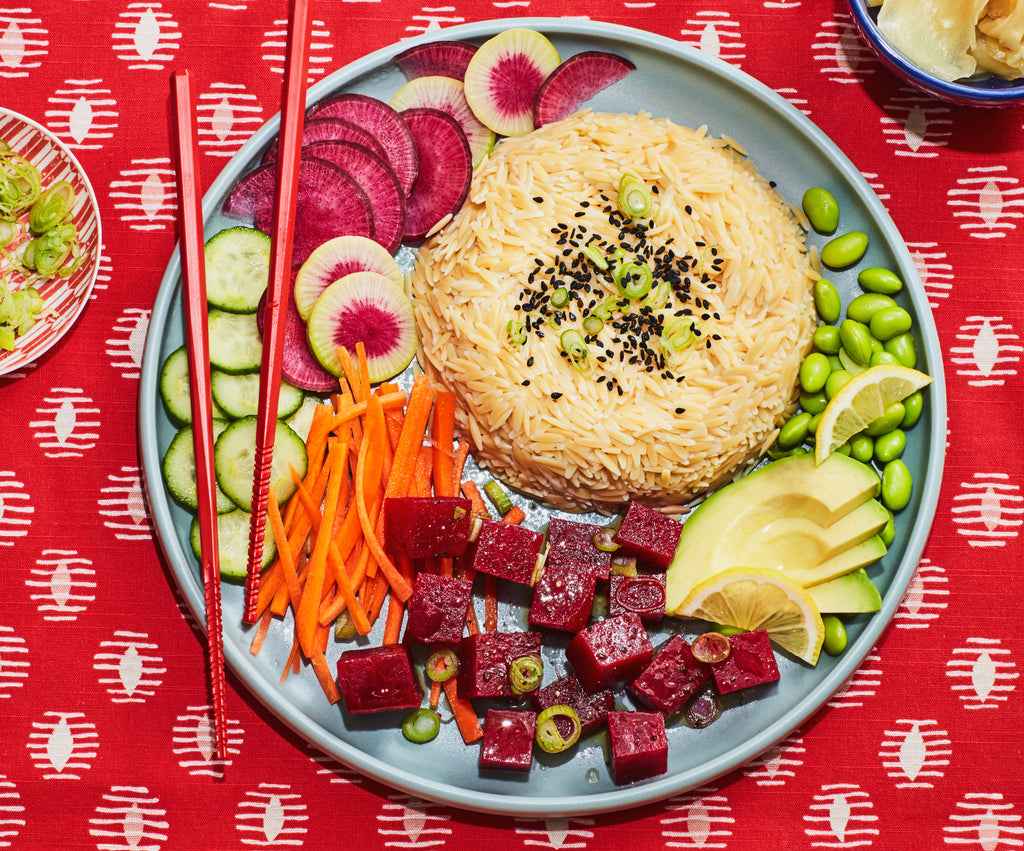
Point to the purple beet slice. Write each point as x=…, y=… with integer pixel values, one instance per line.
x=377, y=679
x=436, y=58
x=671, y=679
x=563, y=599
x=484, y=660
x=377, y=179
x=648, y=536
x=571, y=544
x=639, y=745
x=330, y=203
x=383, y=122
x=576, y=80
x=751, y=662
x=506, y=550
x=644, y=595
x=446, y=167
x=331, y=130
x=592, y=709
x=426, y=526
x=609, y=652
x=437, y=609
x=508, y=739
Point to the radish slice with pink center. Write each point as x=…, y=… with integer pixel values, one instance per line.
x=577, y=79
x=332, y=130
x=436, y=58
x=337, y=258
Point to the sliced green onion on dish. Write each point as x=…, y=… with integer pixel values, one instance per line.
x=442, y=665
x=593, y=324
x=421, y=725
x=496, y=493
x=525, y=674
x=635, y=198
x=548, y=734
x=634, y=280
x=575, y=349
x=560, y=297
x=515, y=331
x=52, y=207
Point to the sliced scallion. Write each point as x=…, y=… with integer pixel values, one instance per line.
x=525, y=674
x=421, y=725
x=635, y=198
x=496, y=494
x=677, y=339
x=442, y=665
x=604, y=539
x=560, y=298
x=594, y=255
x=592, y=325
x=548, y=734
x=657, y=298
x=52, y=207
x=634, y=280
x=575, y=348
x=515, y=331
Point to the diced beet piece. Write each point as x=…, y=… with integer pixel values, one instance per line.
x=672, y=677
x=484, y=660
x=377, y=679
x=330, y=203
x=648, y=536
x=437, y=609
x=563, y=599
x=426, y=526
x=610, y=651
x=751, y=662
x=436, y=59
x=383, y=122
x=331, y=130
x=592, y=709
x=644, y=595
x=508, y=739
x=377, y=179
x=571, y=544
x=506, y=550
x=576, y=80
x=639, y=745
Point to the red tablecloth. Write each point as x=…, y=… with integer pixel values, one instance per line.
x=102, y=681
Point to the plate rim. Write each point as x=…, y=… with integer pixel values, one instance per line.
x=657, y=789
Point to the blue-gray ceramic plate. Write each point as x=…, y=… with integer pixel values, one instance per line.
x=692, y=88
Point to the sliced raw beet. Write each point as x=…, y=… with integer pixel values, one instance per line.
x=639, y=745
x=449, y=96
x=330, y=203
x=377, y=679
x=508, y=739
x=649, y=536
x=383, y=122
x=298, y=366
x=377, y=179
x=332, y=130
x=672, y=677
x=644, y=595
x=436, y=58
x=576, y=80
x=446, y=168
x=337, y=258
x=426, y=526
x=592, y=709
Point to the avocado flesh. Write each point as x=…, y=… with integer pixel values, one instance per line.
x=794, y=487
x=861, y=555
x=851, y=593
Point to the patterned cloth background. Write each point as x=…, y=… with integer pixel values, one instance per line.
x=106, y=733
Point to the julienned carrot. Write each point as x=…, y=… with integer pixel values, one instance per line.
x=472, y=493
x=417, y=413
x=515, y=516
x=363, y=365
x=396, y=608
x=391, y=401
x=459, y=458
x=465, y=714
x=435, y=693
x=323, y=674
x=283, y=550
x=443, y=434
x=421, y=473
x=261, y=632
x=353, y=375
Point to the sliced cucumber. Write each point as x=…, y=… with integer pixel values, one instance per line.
x=302, y=419
x=233, y=544
x=235, y=344
x=179, y=468
x=237, y=269
x=235, y=460
x=174, y=389
x=239, y=395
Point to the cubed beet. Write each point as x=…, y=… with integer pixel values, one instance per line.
x=506, y=550
x=563, y=599
x=751, y=662
x=376, y=679
x=508, y=739
x=649, y=536
x=592, y=709
x=639, y=745
x=672, y=677
x=484, y=660
x=610, y=651
x=426, y=526
x=437, y=609
x=643, y=595
x=571, y=545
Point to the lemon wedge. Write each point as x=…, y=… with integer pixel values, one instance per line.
x=861, y=401
x=760, y=598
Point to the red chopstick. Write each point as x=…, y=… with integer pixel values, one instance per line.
x=290, y=135
x=198, y=344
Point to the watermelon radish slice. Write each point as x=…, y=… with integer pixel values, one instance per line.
x=366, y=308
x=298, y=365
x=449, y=96
x=330, y=203
x=446, y=167
x=377, y=180
x=337, y=258
x=383, y=122
x=436, y=59
x=504, y=76
x=332, y=130
x=577, y=79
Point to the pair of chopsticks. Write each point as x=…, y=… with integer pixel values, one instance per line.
x=197, y=337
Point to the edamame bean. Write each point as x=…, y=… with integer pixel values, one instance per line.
x=845, y=250
x=903, y=348
x=826, y=300
x=835, y=635
x=862, y=448
x=889, y=447
x=897, y=485
x=835, y=362
x=844, y=449
x=814, y=371
x=878, y=358
x=890, y=419
x=814, y=403
x=856, y=340
x=826, y=339
x=888, y=533
x=864, y=307
x=792, y=434
x=822, y=209
x=879, y=280
x=890, y=322
x=835, y=382
x=914, y=405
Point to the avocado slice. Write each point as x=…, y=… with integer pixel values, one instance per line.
x=851, y=593
x=861, y=555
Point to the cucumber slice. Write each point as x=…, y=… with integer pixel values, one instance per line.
x=302, y=419
x=239, y=395
x=235, y=344
x=233, y=544
x=237, y=269
x=179, y=469
x=174, y=389
x=235, y=460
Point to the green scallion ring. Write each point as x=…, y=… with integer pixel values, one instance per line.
x=442, y=665
x=575, y=348
x=594, y=255
x=604, y=539
x=497, y=495
x=634, y=280
x=421, y=725
x=560, y=297
x=634, y=197
x=549, y=737
x=525, y=674
x=514, y=328
x=592, y=325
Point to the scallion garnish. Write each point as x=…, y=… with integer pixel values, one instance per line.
x=634, y=197
x=677, y=339
x=634, y=280
x=52, y=207
x=575, y=348
x=604, y=539
x=560, y=297
x=658, y=297
x=496, y=493
x=548, y=734
x=515, y=331
x=592, y=325
x=442, y=665
x=525, y=674
x=421, y=725
x=594, y=255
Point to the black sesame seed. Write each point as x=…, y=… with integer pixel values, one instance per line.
x=525, y=382
x=556, y=396
x=680, y=410
x=529, y=361
x=538, y=199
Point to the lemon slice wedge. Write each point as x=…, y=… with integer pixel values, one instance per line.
x=760, y=598
x=861, y=401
